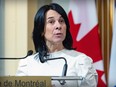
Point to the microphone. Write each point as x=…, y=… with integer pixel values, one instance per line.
x=62, y=82
x=30, y=52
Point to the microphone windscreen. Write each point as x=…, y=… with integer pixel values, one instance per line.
x=30, y=52
x=42, y=60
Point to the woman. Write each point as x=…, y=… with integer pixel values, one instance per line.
x=52, y=39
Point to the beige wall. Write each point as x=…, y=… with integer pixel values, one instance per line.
x=15, y=33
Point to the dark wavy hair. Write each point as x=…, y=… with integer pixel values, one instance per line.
x=39, y=23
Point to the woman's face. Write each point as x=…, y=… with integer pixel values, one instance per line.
x=55, y=27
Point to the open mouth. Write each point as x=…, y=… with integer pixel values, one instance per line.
x=58, y=34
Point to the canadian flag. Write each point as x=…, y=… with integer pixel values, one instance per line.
x=85, y=32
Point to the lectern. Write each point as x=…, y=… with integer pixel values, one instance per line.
x=36, y=81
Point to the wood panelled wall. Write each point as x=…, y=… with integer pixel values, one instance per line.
x=105, y=10
x=32, y=9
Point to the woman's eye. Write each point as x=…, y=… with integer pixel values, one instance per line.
x=51, y=21
x=62, y=21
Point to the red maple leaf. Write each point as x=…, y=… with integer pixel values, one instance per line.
x=100, y=82
x=74, y=28
x=89, y=44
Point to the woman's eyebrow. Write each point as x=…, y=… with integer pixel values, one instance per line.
x=53, y=17
x=50, y=17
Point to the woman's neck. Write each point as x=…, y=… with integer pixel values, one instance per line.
x=55, y=47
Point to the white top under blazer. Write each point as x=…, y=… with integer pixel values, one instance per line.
x=79, y=64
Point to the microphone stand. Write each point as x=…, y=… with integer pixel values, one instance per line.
x=62, y=82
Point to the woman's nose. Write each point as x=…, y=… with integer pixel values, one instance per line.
x=58, y=26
